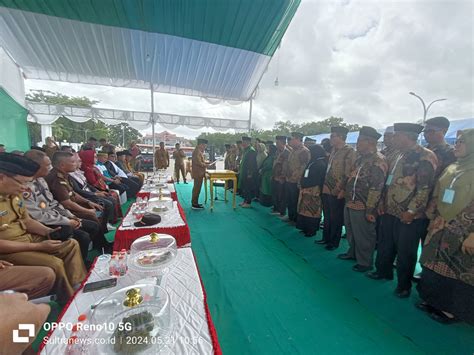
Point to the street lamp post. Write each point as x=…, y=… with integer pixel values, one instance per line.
x=425, y=108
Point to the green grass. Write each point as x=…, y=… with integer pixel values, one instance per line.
x=272, y=291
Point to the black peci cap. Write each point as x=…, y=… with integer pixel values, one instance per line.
x=17, y=165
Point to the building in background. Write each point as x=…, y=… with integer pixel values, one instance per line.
x=169, y=138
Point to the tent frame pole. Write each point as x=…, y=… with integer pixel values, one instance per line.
x=152, y=119
x=250, y=114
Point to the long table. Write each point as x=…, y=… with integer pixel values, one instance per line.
x=124, y=237
x=193, y=331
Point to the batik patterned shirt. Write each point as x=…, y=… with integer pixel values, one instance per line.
x=410, y=180
x=338, y=171
x=366, y=182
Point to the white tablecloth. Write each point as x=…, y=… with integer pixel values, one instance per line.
x=191, y=333
x=169, y=219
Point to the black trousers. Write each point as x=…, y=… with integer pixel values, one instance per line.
x=333, y=210
x=249, y=189
x=292, y=193
x=400, y=240
x=278, y=195
x=81, y=236
x=133, y=187
x=120, y=187
x=108, y=203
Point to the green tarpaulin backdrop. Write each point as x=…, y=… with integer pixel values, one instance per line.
x=13, y=126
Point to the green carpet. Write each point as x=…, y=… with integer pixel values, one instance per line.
x=272, y=291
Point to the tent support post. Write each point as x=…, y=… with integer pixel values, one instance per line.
x=152, y=118
x=250, y=114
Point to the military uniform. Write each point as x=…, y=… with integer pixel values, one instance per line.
x=45, y=209
x=278, y=180
x=179, y=156
x=363, y=192
x=162, y=158
x=297, y=161
x=407, y=190
x=66, y=263
x=338, y=171
x=198, y=173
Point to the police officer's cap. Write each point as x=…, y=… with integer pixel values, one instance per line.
x=340, y=130
x=17, y=165
x=202, y=141
x=309, y=139
x=367, y=131
x=246, y=139
x=408, y=127
x=124, y=152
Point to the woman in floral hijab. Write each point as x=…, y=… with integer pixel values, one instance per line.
x=447, y=281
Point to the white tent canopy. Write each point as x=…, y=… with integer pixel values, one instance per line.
x=47, y=114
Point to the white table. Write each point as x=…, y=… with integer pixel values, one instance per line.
x=192, y=331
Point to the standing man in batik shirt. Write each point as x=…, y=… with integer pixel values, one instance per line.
x=297, y=161
x=389, y=151
x=279, y=176
x=198, y=172
x=340, y=164
x=434, y=132
x=162, y=158
x=363, y=191
x=179, y=156
x=409, y=183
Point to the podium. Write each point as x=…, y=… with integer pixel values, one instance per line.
x=226, y=175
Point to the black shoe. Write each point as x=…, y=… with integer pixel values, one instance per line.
x=361, y=268
x=185, y=183
x=442, y=318
x=320, y=241
x=375, y=275
x=177, y=182
x=309, y=235
x=197, y=207
x=345, y=256
x=330, y=247
x=425, y=307
x=402, y=293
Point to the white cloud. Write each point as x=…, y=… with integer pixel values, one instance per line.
x=353, y=59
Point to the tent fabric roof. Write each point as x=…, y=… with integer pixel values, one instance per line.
x=217, y=49
x=47, y=114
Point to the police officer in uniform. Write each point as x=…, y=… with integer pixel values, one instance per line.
x=42, y=206
x=409, y=183
x=24, y=241
x=198, y=173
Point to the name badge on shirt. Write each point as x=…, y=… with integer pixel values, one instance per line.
x=306, y=173
x=389, y=180
x=3, y=213
x=448, y=196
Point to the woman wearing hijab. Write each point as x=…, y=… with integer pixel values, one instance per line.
x=309, y=201
x=447, y=281
x=265, y=196
x=95, y=178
